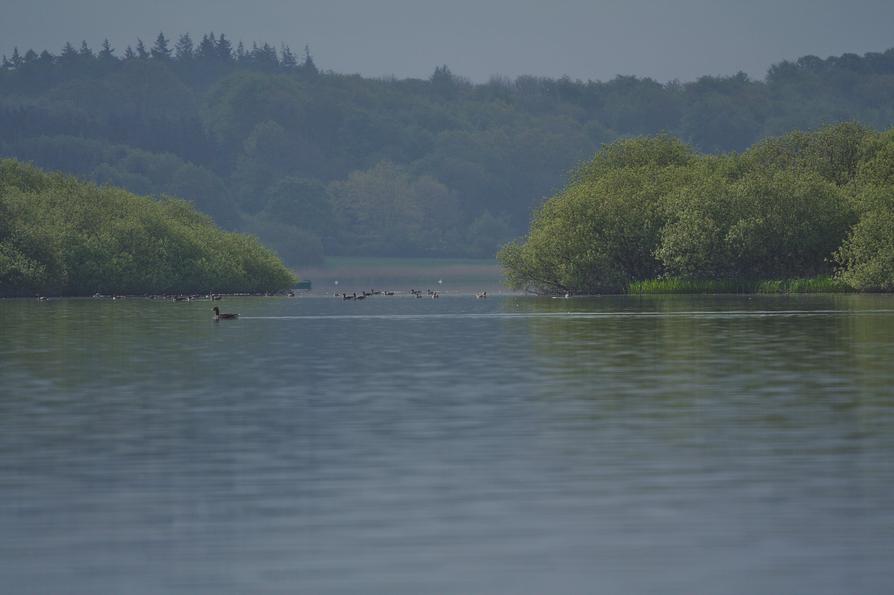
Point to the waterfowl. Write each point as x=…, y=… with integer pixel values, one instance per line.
x=219, y=316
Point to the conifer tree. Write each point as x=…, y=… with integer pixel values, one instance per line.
x=183, y=50
x=107, y=53
x=270, y=55
x=309, y=67
x=129, y=54
x=85, y=53
x=142, y=54
x=16, y=61
x=69, y=55
x=206, y=49
x=288, y=60
x=264, y=57
x=161, y=51
x=224, y=49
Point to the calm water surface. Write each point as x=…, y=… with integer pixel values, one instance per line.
x=510, y=445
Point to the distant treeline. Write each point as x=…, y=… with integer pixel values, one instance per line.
x=60, y=236
x=798, y=206
x=316, y=162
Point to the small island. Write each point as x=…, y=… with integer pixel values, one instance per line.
x=805, y=212
x=63, y=237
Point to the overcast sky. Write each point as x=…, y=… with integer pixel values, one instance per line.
x=595, y=39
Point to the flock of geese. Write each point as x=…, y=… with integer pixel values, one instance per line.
x=363, y=294
x=218, y=315
x=418, y=293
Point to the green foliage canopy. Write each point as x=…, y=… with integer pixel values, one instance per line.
x=803, y=205
x=60, y=236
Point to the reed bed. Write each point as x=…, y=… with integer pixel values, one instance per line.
x=821, y=284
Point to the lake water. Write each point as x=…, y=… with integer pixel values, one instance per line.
x=396, y=445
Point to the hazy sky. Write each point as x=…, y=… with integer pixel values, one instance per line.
x=596, y=39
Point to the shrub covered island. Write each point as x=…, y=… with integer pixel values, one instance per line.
x=650, y=214
x=61, y=236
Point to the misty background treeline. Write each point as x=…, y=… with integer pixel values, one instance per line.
x=317, y=162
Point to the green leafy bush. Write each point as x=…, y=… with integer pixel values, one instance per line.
x=65, y=237
x=804, y=206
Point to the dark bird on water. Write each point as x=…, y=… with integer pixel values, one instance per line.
x=219, y=316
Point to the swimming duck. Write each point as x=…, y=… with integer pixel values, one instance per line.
x=219, y=316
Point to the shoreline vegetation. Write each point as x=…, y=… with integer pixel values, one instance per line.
x=806, y=212
x=821, y=284
x=63, y=237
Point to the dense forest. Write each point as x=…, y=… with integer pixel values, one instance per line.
x=797, y=206
x=316, y=162
x=61, y=236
